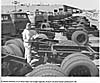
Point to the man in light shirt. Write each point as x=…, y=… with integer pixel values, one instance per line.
x=28, y=35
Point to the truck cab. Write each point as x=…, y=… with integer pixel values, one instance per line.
x=20, y=19
x=7, y=26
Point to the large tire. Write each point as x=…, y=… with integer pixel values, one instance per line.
x=67, y=43
x=5, y=69
x=12, y=41
x=20, y=45
x=43, y=36
x=80, y=37
x=16, y=42
x=72, y=56
x=47, y=70
x=80, y=66
x=16, y=50
x=7, y=50
x=81, y=28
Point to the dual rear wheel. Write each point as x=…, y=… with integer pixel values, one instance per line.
x=79, y=65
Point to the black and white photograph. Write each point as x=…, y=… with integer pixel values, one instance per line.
x=50, y=38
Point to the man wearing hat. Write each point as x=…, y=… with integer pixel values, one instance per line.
x=28, y=34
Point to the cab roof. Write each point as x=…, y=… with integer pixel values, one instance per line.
x=18, y=13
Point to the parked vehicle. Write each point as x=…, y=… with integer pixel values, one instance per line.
x=12, y=25
x=65, y=59
x=7, y=27
x=19, y=19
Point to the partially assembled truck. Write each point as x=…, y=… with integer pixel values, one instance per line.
x=54, y=59
x=70, y=58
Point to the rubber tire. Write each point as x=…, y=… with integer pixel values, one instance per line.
x=77, y=61
x=5, y=69
x=47, y=70
x=7, y=49
x=17, y=42
x=72, y=56
x=21, y=45
x=16, y=50
x=68, y=43
x=82, y=28
x=43, y=36
x=76, y=34
x=12, y=41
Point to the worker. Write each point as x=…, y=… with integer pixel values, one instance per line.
x=27, y=34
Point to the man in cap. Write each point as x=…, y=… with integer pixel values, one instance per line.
x=27, y=34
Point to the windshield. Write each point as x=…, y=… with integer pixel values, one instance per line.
x=21, y=16
x=5, y=18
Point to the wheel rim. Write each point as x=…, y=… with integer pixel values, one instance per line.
x=80, y=71
x=81, y=38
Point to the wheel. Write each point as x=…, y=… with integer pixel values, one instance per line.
x=80, y=37
x=17, y=42
x=16, y=50
x=72, y=56
x=7, y=49
x=5, y=69
x=12, y=41
x=67, y=43
x=20, y=45
x=26, y=68
x=82, y=28
x=46, y=71
x=80, y=66
x=43, y=26
x=42, y=36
